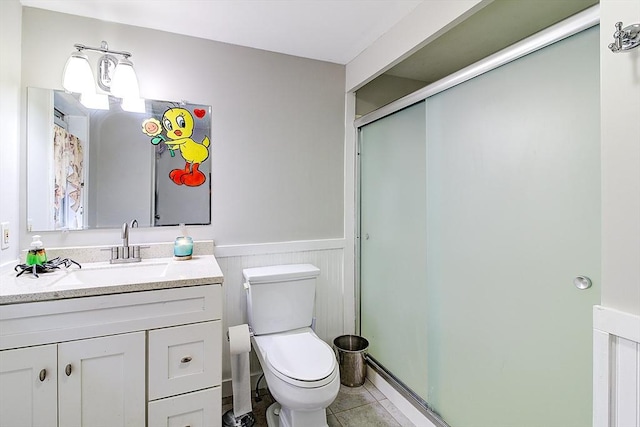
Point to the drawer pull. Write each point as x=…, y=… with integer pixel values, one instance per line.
x=43, y=375
x=186, y=359
x=67, y=369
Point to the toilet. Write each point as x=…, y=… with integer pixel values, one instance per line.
x=300, y=369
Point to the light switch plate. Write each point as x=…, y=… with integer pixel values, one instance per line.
x=4, y=236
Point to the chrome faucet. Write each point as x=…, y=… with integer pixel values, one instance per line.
x=125, y=235
x=125, y=253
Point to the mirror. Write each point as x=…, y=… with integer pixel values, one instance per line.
x=99, y=168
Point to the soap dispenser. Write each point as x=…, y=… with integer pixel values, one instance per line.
x=36, y=254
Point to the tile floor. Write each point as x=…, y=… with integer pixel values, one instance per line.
x=362, y=406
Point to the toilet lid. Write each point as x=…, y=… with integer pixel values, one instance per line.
x=302, y=357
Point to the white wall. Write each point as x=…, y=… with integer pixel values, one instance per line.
x=277, y=148
x=10, y=41
x=620, y=132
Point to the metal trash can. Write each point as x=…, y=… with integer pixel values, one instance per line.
x=351, y=352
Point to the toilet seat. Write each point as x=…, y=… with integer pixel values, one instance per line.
x=301, y=359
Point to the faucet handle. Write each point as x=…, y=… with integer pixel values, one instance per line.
x=113, y=250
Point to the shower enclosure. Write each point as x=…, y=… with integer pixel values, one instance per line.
x=479, y=219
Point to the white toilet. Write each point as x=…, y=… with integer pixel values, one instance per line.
x=300, y=369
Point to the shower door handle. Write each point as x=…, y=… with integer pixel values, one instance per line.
x=582, y=282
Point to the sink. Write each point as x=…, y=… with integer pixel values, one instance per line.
x=114, y=274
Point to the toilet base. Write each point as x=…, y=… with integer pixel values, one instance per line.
x=273, y=420
x=279, y=417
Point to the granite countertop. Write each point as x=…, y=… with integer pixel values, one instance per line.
x=102, y=278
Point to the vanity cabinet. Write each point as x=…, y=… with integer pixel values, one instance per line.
x=98, y=381
x=101, y=381
x=141, y=358
x=28, y=386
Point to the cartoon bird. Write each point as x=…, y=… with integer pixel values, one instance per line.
x=178, y=123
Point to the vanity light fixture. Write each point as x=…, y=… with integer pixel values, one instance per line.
x=115, y=75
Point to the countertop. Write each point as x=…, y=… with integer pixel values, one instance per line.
x=64, y=283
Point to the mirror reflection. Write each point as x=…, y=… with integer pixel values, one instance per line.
x=101, y=167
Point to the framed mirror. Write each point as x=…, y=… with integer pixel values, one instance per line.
x=101, y=167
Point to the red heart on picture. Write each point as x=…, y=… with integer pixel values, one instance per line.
x=199, y=113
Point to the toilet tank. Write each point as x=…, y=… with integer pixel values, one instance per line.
x=280, y=297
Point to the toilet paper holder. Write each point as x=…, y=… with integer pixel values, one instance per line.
x=250, y=333
x=230, y=419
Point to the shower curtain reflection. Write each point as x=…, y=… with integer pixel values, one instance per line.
x=68, y=156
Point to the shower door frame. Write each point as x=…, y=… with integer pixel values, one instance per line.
x=573, y=25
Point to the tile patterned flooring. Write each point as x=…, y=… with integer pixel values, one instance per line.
x=362, y=406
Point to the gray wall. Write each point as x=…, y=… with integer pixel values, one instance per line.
x=277, y=126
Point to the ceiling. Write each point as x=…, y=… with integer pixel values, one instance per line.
x=327, y=30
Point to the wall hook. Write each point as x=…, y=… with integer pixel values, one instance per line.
x=626, y=38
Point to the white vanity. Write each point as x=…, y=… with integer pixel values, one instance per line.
x=113, y=345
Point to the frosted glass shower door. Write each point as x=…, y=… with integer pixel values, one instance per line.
x=393, y=243
x=478, y=209
x=514, y=216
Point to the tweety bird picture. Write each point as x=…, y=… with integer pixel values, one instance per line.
x=178, y=125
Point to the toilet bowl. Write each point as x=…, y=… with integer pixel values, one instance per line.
x=300, y=369
x=302, y=375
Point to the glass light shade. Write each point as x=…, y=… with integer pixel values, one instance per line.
x=124, y=83
x=77, y=75
x=133, y=105
x=95, y=101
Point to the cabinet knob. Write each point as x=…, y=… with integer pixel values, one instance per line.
x=186, y=359
x=67, y=369
x=42, y=375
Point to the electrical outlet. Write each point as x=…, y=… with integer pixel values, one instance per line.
x=4, y=236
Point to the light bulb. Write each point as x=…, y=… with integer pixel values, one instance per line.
x=125, y=83
x=133, y=105
x=95, y=101
x=77, y=76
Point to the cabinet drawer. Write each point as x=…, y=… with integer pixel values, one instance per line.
x=198, y=409
x=184, y=359
x=45, y=322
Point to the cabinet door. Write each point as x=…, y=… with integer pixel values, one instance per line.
x=102, y=381
x=28, y=391
x=198, y=409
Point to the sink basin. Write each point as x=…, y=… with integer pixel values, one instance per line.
x=114, y=274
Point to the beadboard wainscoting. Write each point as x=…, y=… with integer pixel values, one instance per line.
x=331, y=295
x=616, y=368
